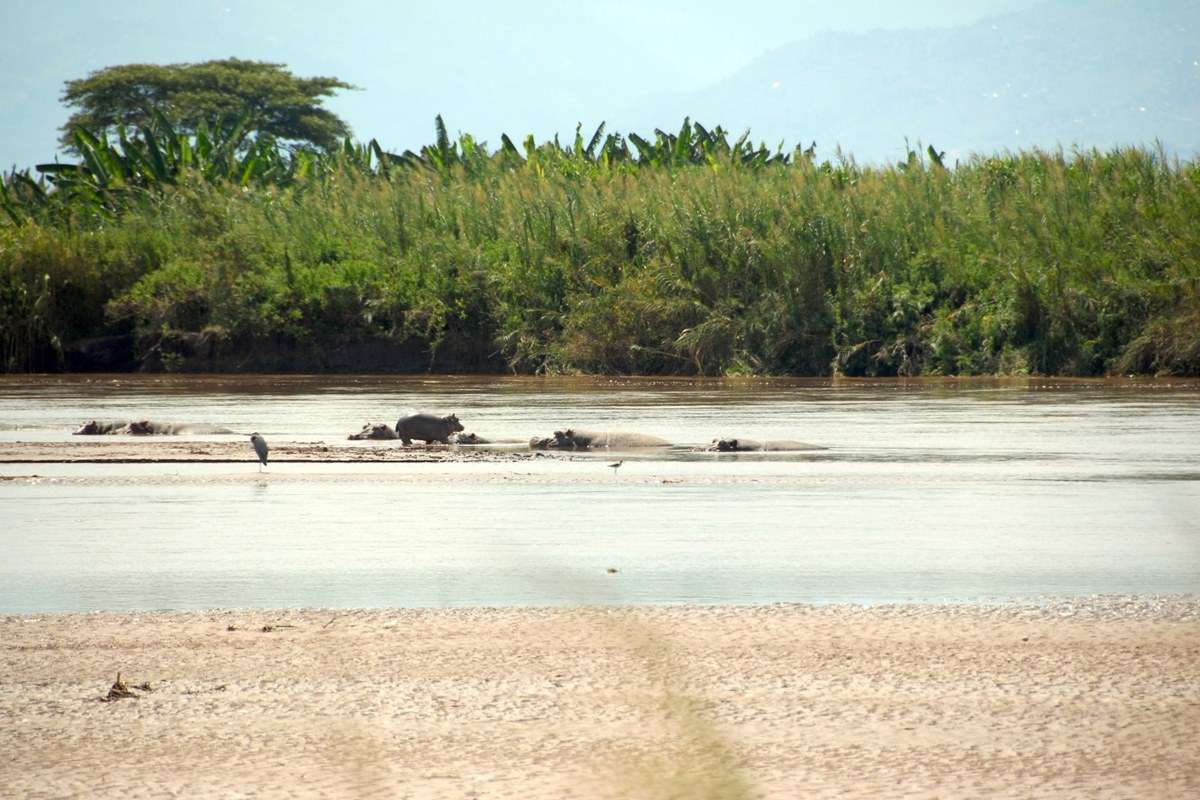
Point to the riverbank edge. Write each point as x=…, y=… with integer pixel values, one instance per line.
x=206, y=353
x=1161, y=607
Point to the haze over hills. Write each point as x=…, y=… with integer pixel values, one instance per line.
x=982, y=76
x=487, y=68
x=1060, y=73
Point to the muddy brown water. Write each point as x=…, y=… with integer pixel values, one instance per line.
x=929, y=491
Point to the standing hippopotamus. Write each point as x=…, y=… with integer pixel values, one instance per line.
x=750, y=445
x=427, y=427
x=375, y=430
x=94, y=428
x=575, y=439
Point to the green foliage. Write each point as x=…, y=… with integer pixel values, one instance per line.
x=112, y=176
x=688, y=253
x=280, y=105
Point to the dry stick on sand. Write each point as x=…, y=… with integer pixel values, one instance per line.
x=120, y=690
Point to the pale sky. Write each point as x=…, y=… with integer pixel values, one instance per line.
x=536, y=66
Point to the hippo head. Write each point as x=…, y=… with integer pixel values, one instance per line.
x=564, y=438
x=727, y=445
x=453, y=422
x=374, y=430
x=89, y=428
x=140, y=427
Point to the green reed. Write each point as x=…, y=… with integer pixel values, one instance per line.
x=1080, y=264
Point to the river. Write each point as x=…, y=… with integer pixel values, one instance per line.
x=929, y=491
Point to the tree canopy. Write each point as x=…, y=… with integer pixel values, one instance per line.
x=281, y=104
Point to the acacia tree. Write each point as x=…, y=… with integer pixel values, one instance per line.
x=281, y=104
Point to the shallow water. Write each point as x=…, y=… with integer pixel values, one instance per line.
x=929, y=491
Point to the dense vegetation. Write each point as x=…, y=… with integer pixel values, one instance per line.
x=685, y=253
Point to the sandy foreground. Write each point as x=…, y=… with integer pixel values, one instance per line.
x=1087, y=698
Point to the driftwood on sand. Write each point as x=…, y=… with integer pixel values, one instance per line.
x=120, y=690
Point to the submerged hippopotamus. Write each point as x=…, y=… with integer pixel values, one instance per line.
x=750, y=445
x=470, y=438
x=94, y=428
x=575, y=439
x=375, y=430
x=427, y=427
x=144, y=427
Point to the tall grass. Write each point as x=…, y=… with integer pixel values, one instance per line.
x=1034, y=262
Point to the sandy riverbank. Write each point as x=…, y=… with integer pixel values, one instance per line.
x=1093, y=698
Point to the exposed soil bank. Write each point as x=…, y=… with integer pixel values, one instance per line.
x=210, y=351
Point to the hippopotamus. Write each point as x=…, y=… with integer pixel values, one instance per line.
x=470, y=438
x=562, y=440
x=427, y=427
x=94, y=428
x=575, y=439
x=375, y=430
x=145, y=427
x=750, y=445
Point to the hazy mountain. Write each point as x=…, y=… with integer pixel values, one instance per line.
x=540, y=66
x=1094, y=74
x=1062, y=71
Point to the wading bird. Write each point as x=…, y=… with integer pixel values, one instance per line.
x=616, y=466
x=260, y=449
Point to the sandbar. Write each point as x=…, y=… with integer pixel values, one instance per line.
x=1092, y=697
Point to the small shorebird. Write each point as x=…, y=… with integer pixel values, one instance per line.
x=616, y=466
x=260, y=449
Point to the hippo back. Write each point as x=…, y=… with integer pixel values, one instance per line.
x=147, y=427
x=95, y=428
x=427, y=427
x=615, y=440
x=741, y=445
x=786, y=445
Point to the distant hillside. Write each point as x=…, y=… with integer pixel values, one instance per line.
x=1096, y=74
